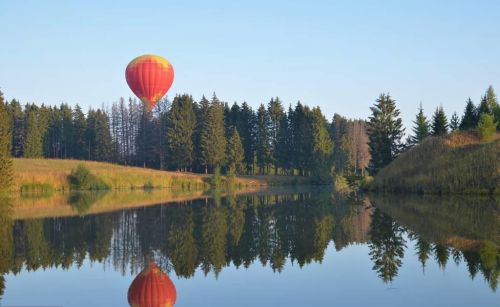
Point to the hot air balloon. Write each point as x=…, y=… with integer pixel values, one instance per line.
x=149, y=77
x=151, y=288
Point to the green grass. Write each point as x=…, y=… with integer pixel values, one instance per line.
x=458, y=163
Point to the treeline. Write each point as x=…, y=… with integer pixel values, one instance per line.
x=187, y=135
x=386, y=132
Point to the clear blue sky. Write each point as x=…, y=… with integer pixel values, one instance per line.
x=339, y=55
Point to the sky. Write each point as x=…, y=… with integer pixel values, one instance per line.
x=339, y=55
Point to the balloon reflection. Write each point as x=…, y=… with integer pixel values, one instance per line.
x=152, y=288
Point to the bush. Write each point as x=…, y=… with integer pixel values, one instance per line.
x=80, y=178
x=341, y=185
x=216, y=180
x=486, y=127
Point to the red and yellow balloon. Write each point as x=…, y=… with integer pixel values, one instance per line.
x=149, y=77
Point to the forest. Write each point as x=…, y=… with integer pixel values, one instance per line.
x=210, y=135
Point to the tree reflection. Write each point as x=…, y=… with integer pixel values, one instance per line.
x=387, y=246
x=6, y=242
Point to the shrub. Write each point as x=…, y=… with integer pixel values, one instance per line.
x=341, y=185
x=81, y=178
x=486, y=127
x=216, y=180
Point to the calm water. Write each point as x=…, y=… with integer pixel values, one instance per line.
x=288, y=249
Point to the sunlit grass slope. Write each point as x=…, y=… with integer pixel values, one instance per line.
x=458, y=163
x=53, y=174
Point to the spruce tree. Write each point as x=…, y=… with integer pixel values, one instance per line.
x=301, y=142
x=439, y=122
x=276, y=113
x=234, y=152
x=322, y=147
x=98, y=136
x=263, y=145
x=454, y=122
x=470, y=118
x=6, y=172
x=283, y=150
x=201, y=112
x=79, y=128
x=17, y=120
x=180, y=130
x=421, y=128
x=484, y=107
x=338, y=132
x=67, y=133
x=385, y=130
x=147, y=144
x=33, y=142
x=248, y=135
x=213, y=140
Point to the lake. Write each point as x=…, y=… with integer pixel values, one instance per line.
x=287, y=247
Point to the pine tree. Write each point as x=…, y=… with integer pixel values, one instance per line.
x=421, y=130
x=180, y=129
x=385, y=130
x=470, y=118
x=439, y=122
x=454, y=122
x=6, y=172
x=234, y=152
x=213, y=140
x=263, y=145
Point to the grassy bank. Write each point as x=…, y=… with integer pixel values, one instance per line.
x=45, y=175
x=458, y=163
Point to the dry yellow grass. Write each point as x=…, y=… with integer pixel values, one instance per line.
x=458, y=163
x=54, y=172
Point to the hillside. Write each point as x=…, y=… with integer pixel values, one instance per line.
x=454, y=164
x=52, y=174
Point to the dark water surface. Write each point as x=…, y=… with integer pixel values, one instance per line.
x=288, y=249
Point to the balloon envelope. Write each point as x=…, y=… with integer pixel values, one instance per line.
x=149, y=77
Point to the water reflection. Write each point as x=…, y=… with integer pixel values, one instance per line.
x=212, y=233
x=152, y=288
